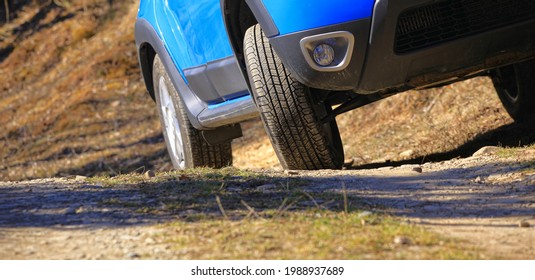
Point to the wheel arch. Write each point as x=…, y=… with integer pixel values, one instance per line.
x=238, y=17
x=146, y=54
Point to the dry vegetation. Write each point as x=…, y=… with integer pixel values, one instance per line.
x=432, y=124
x=72, y=102
x=71, y=96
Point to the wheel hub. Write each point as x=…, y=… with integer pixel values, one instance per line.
x=172, y=126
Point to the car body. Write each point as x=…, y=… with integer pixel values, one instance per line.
x=371, y=49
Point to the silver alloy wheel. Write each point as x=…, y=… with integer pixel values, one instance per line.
x=172, y=126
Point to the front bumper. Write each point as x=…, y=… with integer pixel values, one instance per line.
x=379, y=63
x=290, y=50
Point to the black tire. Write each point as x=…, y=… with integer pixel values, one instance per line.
x=290, y=114
x=515, y=85
x=196, y=152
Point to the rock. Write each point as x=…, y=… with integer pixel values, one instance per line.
x=385, y=168
x=133, y=255
x=406, y=154
x=291, y=172
x=70, y=211
x=485, y=151
x=364, y=214
x=417, y=169
x=402, y=240
x=479, y=180
x=149, y=174
x=524, y=224
x=349, y=162
x=149, y=241
x=80, y=178
x=79, y=210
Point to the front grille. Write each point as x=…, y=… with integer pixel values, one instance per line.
x=453, y=19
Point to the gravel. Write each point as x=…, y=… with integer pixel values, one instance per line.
x=485, y=199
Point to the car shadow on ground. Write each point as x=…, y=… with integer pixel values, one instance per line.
x=453, y=193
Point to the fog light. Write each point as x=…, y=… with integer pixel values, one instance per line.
x=323, y=54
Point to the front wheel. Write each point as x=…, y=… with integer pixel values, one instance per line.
x=515, y=85
x=185, y=144
x=290, y=110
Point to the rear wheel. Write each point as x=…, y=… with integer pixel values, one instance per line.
x=185, y=144
x=291, y=111
x=515, y=85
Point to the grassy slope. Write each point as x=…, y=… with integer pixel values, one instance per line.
x=428, y=122
x=71, y=98
x=72, y=102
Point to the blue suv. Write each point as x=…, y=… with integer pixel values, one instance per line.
x=212, y=64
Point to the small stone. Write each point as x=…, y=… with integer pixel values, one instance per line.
x=349, y=162
x=364, y=214
x=479, y=180
x=406, y=154
x=133, y=255
x=417, y=169
x=402, y=240
x=385, y=168
x=150, y=241
x=524, y=224
x=79, y=210
x=487, y=150
x=70, y=211
x=149, y=174
x=80, y=178
x=291, y=172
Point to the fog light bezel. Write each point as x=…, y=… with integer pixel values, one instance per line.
x=342, y=43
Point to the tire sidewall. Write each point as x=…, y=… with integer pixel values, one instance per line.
x=159, y=72
x=520, y=108
x=286, y=104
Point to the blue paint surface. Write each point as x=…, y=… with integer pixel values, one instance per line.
x=193, y=31
x=194, y=34
x=298, y=15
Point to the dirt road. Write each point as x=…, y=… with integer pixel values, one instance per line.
x=487, y=200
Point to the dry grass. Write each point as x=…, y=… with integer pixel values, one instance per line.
x=309, y=235
x=72, y=100
x=426, y=122
x=235, y=214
